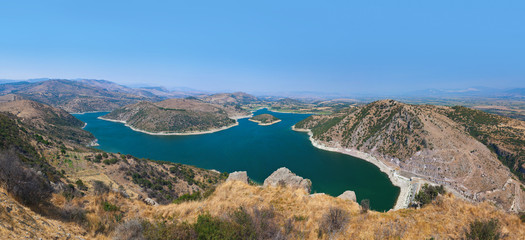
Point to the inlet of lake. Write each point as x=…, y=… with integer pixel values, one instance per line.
x=259, y=150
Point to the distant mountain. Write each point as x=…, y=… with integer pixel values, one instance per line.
x=483, y=92
x=236, y=98
x=78, y=96
x=516, y=93
x=476, y=153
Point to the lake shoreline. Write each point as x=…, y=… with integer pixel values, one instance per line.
x=174, y=133
x=398, y=180
x=264, y=124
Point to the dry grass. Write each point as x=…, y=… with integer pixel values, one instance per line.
x=447, y=218
x=298, y=214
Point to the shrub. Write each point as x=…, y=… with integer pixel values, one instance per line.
x=365, y=205
x=73, y=213
x=333, y=221
x=131, y=229
x=484, y=230
x=522, y=217
x=100, y=187
x=26, y=185
x=188, y=197
x=108, y=207
x=110, y=161
x=81, y=185
x=208, y=227
x=163, y=230
x=427, y=194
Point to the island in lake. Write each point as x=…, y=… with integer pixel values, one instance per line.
x=265, y=119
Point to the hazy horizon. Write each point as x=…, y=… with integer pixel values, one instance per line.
x=293, y=46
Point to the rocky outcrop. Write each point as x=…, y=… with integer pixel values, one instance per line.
x=348, y=195
x=284, y=177
x=151, y=202
x=241, y=176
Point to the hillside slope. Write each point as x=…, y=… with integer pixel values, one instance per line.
x=53, y=122
x=458, y=147
x=173, y=116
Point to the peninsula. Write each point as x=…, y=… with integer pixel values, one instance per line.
x=173, y=117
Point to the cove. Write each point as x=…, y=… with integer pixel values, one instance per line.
x=259, y=150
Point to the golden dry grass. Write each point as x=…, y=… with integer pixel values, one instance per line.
x=447, y=218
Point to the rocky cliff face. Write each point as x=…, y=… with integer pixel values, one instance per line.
x=440, y=144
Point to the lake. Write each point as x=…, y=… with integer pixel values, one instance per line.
x=259, y=150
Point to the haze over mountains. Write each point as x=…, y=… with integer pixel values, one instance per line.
x=473, y=91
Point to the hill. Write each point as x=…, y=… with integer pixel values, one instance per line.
x=467, y=150
x=77, y=96
x=265, y=119
x=50, y=121
x=237, y=104
x=173, y=116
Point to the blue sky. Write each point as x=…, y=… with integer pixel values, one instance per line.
x=329, y=46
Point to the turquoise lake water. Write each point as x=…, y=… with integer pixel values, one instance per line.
x=259, y=150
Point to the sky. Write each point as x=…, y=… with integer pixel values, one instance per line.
x=268, y=46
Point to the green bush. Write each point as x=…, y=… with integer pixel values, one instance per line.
x=110, y=161
x=108, y=207
x=427, y=194
x=484, y=230
x=188, y=197
x=208, y=227
x=81, y=185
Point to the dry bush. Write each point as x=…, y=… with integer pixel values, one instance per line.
x=26, y=185
x=73, y=213
x=100, y=187
x=333, y=221
x=131, y=229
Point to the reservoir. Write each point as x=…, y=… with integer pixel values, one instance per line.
x=259, y=150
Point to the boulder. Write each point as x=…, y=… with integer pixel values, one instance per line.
x=283, y=176
x=151, y=202
x=348, y=195
x=238, y=176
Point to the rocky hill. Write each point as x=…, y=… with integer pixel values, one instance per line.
x=476, y=154
x=183, y=116
x=78, y=96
